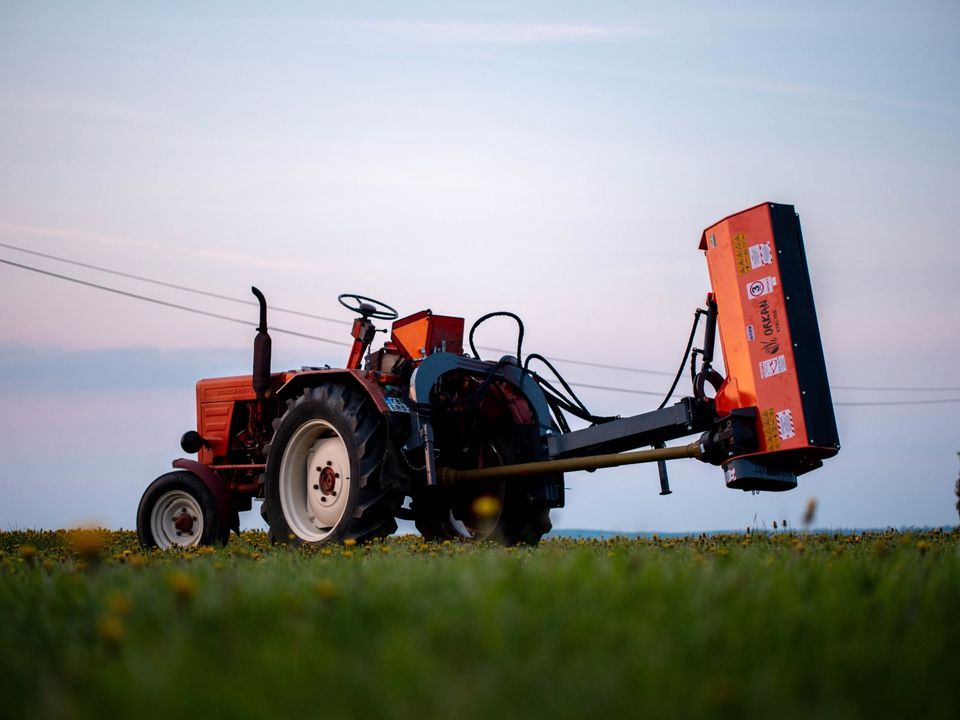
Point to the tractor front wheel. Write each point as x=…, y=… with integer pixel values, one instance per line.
x=177, y=509
x=323, y=470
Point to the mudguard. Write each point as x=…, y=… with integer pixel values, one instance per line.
x=226, y=508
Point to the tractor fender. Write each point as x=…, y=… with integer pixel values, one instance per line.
x=359, y=379
x=226, y=508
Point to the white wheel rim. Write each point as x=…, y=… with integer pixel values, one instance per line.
x=163, y=519
x=314, y=480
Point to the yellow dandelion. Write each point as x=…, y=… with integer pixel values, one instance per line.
x=110, y=629
x=922, y=547
x=119, y=603
x=88, y=544
x=349, y=542
x=182, y=585
x=348, y=553
x=28, y=553
x=486, y=507
x=325, y=589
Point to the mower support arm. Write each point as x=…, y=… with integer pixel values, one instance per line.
x=450, y=476
x=683, y=418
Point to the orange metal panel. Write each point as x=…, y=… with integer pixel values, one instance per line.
x=215, y=403
x=424, y=333
x=755, y=330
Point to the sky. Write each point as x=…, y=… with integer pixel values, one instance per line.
x=556, y=159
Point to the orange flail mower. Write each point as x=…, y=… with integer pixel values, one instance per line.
x=476, y=449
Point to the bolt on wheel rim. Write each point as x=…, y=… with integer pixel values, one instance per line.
x=314, y=480
x=176, y=519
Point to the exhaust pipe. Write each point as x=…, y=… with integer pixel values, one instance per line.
x=261, y=351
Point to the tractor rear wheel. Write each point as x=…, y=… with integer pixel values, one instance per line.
x=502, y=511
x=323, y=470
x=177, y=509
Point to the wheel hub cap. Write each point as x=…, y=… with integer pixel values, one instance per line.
x=328, y=480
x=327, y=466
x=184, y=521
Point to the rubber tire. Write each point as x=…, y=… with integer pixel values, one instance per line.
x=215, y=531
x=369, y=511
x=521, y=521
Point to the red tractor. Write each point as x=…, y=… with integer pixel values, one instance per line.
x=476, y=449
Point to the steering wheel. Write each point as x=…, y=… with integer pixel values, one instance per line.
x=368, y=307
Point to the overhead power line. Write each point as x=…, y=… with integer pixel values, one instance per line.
x=616, y=389
x=164, y=303
x=175, y=286
x=941, y=401
x=553, y=358
x=584, y=363
x=889, y=388
x=229, y=298
x=606, y=388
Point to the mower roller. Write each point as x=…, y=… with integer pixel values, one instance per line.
x=476, y=449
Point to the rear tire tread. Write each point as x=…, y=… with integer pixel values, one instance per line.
x=372, y=515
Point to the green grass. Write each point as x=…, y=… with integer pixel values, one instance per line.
x=779, y=626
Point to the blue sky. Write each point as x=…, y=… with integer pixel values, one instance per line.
x=556, y=159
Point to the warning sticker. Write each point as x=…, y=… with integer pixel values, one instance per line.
x=770, y=432
x=773, y=366
x=751, y=333
x=740, y=254
x=785, y=424
x=760, y=255
x=761, y=287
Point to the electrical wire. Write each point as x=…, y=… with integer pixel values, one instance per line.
x=175, y=286
x=605, y=388
x=584, y=363
x=164, y=303
x=608, y=388
x=880, y=403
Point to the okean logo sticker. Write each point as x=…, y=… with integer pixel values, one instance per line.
x=761, y=287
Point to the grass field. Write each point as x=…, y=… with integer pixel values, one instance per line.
x=762, y=625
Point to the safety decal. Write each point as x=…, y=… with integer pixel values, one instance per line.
x=751, y=333
x=785, y=425
x=760, y=255
x=761, y=287
x=770, y=432
x=773, y=366
x=741, y=256
x=730, y=475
